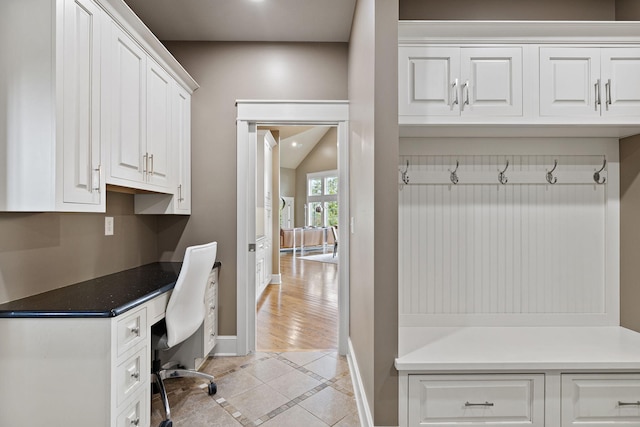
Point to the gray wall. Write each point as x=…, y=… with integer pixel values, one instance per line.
x=627, y=10
x=44, y=251
x=323, y=157
x=575, y=10
x=228, y=71
x=373, y=133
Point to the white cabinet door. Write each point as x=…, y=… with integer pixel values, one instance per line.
x=491, y=81
x=428, y=81
x=128, y=159
x=620, y=81
x=182, y=132
x=81, y=155
x=158, y=125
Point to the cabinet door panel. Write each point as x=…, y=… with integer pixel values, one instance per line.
x=81, y=103
x=128, y=107
x=182, y=121
x=494, y=77
x=569, y=81
x=158, y=124
x=427, y=77
x=621, y=69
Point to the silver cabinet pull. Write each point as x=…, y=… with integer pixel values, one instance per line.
x=468, y=404
x=180, y=198
x=96, y=187
x=598, y=99
x=135, y=375
x=629, y=403
x=135, y=330
x=607, y=94
x=466, y=94
x=135, y=422
x=454, y=87
x=145, y=163
x=151, y=160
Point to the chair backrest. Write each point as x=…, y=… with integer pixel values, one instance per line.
x=186, y=309
x=335, y=233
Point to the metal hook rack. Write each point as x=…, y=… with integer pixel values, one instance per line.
x=454, y=174
x=502, y=178
x=596, y=176
x=550, y=178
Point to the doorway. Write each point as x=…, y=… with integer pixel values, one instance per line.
x=252, y=114
x=296, y=220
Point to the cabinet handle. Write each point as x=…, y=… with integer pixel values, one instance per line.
x=99, y=171
x=135, y=375
x=135, y=330
x=466, y=91
x=608, y=93
x=598, y=99
x=145, y=163
x=135, y=422
x=454, y=87
x=180, y=198
x=487, y=404
x=151, y=160
x=629, y=403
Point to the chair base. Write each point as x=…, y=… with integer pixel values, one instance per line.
x=159, y=376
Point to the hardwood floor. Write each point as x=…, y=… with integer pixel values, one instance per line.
x=302, y=312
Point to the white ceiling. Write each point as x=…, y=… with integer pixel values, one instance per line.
x=304, y=137
x=247, y=20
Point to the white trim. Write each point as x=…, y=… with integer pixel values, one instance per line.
x=276, y=279
x=226, y=346
x=364, y=412
x=249, y=114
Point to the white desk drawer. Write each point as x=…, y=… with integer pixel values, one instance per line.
x=136, y=413
x=131, y=374
x=476, y=400
x=131, y=330
x=600, y=399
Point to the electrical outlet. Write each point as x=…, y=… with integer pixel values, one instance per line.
x=108, y=226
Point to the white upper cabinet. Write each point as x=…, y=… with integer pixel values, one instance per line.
x=50, y=77
x=158, y=123
x=460, y=81
x=518, y=78
x=589, y=81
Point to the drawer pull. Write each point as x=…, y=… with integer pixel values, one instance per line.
x=135, y=375
x=486, y=404
x=629, y=403
x=135, y=422
x=135, y=330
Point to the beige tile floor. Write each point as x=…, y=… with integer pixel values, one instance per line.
x=310, y=389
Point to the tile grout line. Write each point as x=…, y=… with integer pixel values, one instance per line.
x=324, y=383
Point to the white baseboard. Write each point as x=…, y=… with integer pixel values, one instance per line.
x=364, y=412
x=276, y=279
x=226, y=346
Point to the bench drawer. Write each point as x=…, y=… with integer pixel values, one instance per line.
x=476, y=400
x=596, y=400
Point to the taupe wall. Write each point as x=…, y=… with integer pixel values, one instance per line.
x=323, y=157
x=630, y=235
x=287, y=182
x=44, y=251
x=576, y=10
x=627, y=10
x=373, y=133
x=228, y=71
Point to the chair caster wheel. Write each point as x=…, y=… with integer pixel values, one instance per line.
x=213, y=388
x=166, y=423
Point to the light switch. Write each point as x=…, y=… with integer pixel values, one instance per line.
x=108, y=226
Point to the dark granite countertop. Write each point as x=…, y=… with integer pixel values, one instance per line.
x=105, y=296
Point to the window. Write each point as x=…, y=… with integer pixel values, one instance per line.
x=322, y=199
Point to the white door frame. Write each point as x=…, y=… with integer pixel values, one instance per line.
x=250, y=115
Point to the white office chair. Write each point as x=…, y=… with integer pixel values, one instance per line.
x=184, y=315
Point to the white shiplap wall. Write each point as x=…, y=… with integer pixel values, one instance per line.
x=524, y=253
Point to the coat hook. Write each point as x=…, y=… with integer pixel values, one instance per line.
x=550, y=178
x=405, y=174
x=454, y=174
x=596, y=176
x=501, y=176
